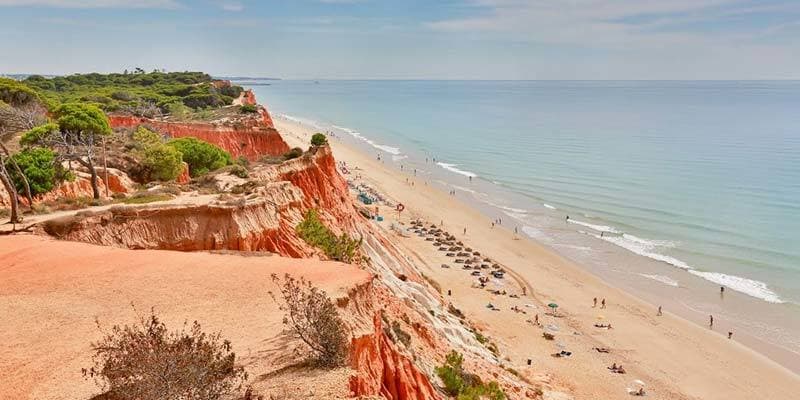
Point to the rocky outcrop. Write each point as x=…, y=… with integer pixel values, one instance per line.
x=251, y=138
x=383, y=371
x=265, y=223
x=323, y=187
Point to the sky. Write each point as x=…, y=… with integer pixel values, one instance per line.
x=407, y=39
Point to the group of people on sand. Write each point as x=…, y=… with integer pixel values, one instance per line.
x=602, y=303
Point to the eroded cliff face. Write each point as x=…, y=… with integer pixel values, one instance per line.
x=251, y=138
x=263, y=224
x=383, y=371
x=323, y=187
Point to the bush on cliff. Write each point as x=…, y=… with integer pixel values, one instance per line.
x=464, y=385
x=162, y=163
x=39, y=167
x=314, y=232
x=314, y=319
x=201, y=156
x=319, y=140
x=146, y=361
x=144, y=138
x=248, y=109
x=293, y=153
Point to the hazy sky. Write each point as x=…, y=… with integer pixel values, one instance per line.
x=455, y=39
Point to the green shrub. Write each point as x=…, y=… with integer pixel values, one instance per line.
x=177, y=110
x=39, y=167
x=464, y=385
x=248, y=109
x=145, y=138
x=314, y=232
x=201, y=156
x=240, y=171
x=162, y=163
x=318, y=139
x=293, y=153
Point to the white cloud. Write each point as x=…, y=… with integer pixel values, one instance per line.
x=93, y=3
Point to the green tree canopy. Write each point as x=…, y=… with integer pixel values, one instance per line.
x=201, y=156
x=318, y=139
x=83, y=119
x=39, y=166
x=16, y=93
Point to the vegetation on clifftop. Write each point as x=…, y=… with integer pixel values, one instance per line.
x=464, y=385
x=145, y=94
x=314, y=232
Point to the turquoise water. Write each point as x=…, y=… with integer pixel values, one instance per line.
x=700, y=178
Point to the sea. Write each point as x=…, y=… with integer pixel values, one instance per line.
x=672, y=190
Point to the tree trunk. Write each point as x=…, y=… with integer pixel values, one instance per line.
x=95, y=190
x=25, y=183
x=12, y=194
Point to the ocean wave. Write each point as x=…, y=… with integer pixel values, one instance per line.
x=599, y=228
x=398, y=158
x=750, y=287
x=533, y=232
x=662, y=278
x=395, y=151
x=453, y=168
x=645, y=247
x=549, y=206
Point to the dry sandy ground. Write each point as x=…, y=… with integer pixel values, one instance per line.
x=675, y=358
x=51, y=292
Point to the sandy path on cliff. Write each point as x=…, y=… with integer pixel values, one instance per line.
x=191, y=198
x=677, y=359
x=51, y=292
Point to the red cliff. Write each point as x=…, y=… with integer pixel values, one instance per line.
x=383, y=371
x=251, y=138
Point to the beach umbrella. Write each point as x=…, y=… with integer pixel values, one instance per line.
x=553, y=306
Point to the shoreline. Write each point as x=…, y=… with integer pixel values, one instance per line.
x=684, y=353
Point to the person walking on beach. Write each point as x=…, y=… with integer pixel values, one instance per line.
x=603, y=303
x=730, y=335
x=567, y=219
x=465, y=230
x=536, y=320
x=595, y=303
x=659, y=311
x=710, y=321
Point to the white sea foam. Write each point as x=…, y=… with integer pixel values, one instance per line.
x=453, y=168
x=646, y=247
x=573, y=247
x=747, y=286
x=533, y=232
x=398, y=158
x=662, y=278
x=599, y=228
x=395, y=151
x=549, y=206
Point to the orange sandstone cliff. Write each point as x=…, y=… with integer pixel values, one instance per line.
x=251, y=136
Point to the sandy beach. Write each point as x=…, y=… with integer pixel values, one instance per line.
x=675, y=358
